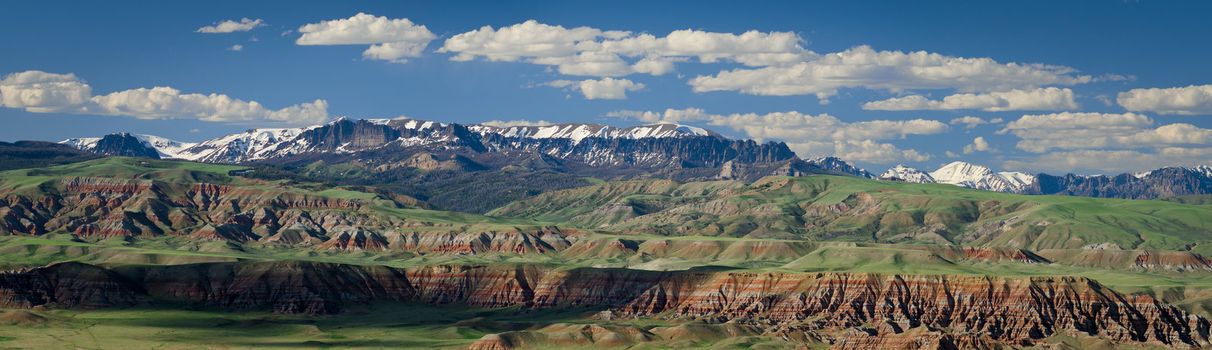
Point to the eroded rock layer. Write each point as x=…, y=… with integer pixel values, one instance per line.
x=951, y=309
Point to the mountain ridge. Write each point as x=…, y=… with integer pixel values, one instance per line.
x=661, y=149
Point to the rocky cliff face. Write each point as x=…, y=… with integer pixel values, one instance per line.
x=92, y=207
x=386, y=141
x=689, y=152
x=123, y=144
x=1160, y=183
x=957, y=310
x=69, y=285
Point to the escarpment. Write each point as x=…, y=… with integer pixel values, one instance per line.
x=92, y=207
x=1018, y=311
x=71, y=285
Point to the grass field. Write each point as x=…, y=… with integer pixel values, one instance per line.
x=786, y=225
x=380, y=326
x=383, y=326
x=808, y=208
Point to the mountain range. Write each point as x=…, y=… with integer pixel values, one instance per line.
x=658, y=150
x=1158, y=183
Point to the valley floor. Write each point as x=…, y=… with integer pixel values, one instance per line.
x=385, y=326
x=133, y=254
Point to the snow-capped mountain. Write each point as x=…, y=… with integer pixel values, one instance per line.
x=578, y=132
x=1157, y=183
x=657, y=145
x=837, y=165
x=83, y=143
x=112, y=144
x=254, y=144
x=979, y=177
x=1199, y=169
x=592, y=149
x=907, y=174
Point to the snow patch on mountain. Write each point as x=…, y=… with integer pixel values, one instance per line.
x=907, y=174
x=1198, y=169
x=578, y=132
x=167, y=148
x=838, y=165
x=979, y=177
x=82, y=143
x=254, y=144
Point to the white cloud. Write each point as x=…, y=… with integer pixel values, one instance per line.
x=1106, y=142
x=751, y=48
x=595, y=64
x=1044, y=99
x=608, y=88
x=529, y=39
x=230, y=26
x=1190, y=100
x=1041, y=133
x=869, y=151
x=1113, y=161
x=396, y=52
x=236, y=47
x=669, y=116
x=978, y=145
x=970, y=122
x=602, y=89
x=587, y=51
x=776, y=64
x=38, y=91
x=392, y=40
x=863, y=67
x=169, y=103
x=811, y=135
x=516, y=122
x=42, y=92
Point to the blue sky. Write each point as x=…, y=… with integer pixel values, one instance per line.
x=1105, y=49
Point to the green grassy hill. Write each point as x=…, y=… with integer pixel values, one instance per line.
x=851, y=209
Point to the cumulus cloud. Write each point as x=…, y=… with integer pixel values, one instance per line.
x=970, y=122
x=669, y=116
x=1044, y=132
x=236, y=47
x=169, y=103
x=1044, y=99
x=393, y=40
x=230, y=26
x=1113, y=161
x=608, y=88
x=869, y=151
x=516, y=122
x=811, y=135
x=1111, y=141
x=529, y=39
x=38, y=91
x=587, y=51
x=601, y=89
x=1190, y=100
x=979, y=144
x=42, y=92
x=775, y=63
x=863, y=67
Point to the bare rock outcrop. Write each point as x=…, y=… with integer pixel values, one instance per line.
x=71, y=285
x=943, y=311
